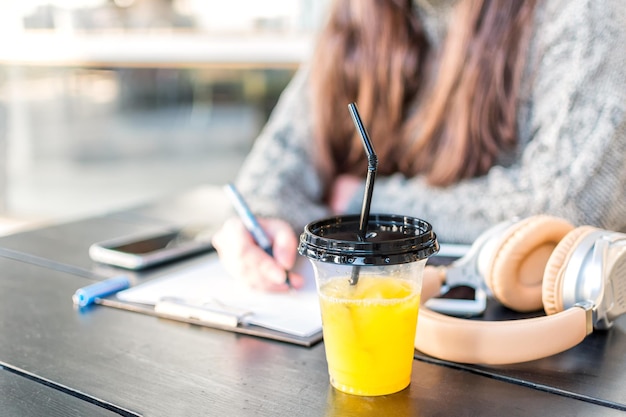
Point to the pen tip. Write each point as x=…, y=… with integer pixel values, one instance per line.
x=287, y=279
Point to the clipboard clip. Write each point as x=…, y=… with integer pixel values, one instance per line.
x=205, y=312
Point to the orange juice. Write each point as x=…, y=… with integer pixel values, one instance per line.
x=369, y=331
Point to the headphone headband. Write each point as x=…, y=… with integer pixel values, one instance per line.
x=501, y=342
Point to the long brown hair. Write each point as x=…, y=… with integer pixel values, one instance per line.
x=376, y=53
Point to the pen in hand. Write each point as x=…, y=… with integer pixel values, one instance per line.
x=251, y=223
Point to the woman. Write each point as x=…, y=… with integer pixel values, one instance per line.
x=478, y=111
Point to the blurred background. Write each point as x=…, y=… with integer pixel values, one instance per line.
x=109, y=103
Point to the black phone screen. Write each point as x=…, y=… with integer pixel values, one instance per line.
x=151, y=244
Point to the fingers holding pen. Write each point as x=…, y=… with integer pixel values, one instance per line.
x=284, y=248
x=266, y=272
x=238, y=251
x=244, y=259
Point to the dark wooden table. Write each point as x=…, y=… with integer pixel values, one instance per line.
x=56, y=360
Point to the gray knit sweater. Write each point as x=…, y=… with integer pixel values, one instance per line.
x=571, y=157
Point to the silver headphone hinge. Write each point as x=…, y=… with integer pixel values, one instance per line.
x=588, y=307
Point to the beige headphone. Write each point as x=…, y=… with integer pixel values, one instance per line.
x=577, y=275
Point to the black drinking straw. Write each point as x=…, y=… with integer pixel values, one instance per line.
x=372, y=164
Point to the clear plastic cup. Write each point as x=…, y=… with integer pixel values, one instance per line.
x=369, y=296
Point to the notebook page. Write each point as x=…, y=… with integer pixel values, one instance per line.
x=295, y=312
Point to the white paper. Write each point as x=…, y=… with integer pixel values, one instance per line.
x=295, y=312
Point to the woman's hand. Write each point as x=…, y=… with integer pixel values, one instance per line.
x=245, y=260
x=342, y=192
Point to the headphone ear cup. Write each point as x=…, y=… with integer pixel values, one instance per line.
x=516, y=270
x=552, y=290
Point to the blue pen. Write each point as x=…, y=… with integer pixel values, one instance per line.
x=251, y=223
x=87, y=295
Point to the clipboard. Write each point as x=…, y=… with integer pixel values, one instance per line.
x=204, y=294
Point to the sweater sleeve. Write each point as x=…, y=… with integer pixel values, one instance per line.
x=571, y=158
x=279, y=177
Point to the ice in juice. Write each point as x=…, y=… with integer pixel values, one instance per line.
x=369, y=331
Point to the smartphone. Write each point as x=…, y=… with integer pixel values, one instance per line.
x=460, y=301
x=144, y=251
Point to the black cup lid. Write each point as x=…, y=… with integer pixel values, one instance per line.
x=391, y=239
